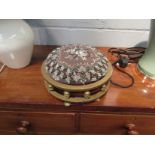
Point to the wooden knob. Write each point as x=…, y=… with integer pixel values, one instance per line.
x=22, y=130
x=133, y=132
x=23, y=127
x=130, y=126
x=131, y=129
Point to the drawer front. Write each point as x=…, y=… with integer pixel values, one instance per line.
x=116, y=124
x=37, y=123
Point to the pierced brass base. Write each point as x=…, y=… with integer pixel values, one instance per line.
x=77, y=93
x=77, y=99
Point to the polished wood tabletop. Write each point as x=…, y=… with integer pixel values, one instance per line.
x=24, y=88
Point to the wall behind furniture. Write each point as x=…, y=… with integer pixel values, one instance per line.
x=95, y=32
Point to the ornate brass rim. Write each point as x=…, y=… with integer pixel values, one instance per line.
x=76, y=88
x=77, y=99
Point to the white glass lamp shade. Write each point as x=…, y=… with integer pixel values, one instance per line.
x=16, y=43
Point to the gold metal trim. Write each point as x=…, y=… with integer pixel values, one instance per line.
x=77, y=99
x=76, y=88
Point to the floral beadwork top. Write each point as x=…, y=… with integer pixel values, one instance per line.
x=76, y=64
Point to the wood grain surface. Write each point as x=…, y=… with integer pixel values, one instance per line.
x=24, y=88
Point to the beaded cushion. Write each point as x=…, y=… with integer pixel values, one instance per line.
x=76, y=64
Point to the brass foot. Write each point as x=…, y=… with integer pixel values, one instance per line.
x=67, y=104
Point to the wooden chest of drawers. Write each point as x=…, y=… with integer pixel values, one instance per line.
x=21, y=122
x=27, y=108
x=117, y=124
x=36, y=123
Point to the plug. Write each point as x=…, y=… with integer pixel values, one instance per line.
x=123, y=62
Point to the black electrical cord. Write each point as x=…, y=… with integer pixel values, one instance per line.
x=133, y=53
x=125, y=56
x=120, y=85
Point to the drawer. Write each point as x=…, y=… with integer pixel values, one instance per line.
x=116, y=124
x=37, y=123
